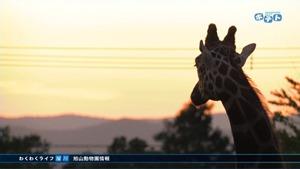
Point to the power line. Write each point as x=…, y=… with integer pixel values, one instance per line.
x=94, y=67
x=97, y=56
x=92, y=48
x=276, y=57
x=33, y=57
x=131, y=62
x=91, y=61
x=131, y=67
x=141, y=61
x=128, y=48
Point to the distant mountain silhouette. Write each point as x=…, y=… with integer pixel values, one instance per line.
x=78, y=130
x=63, y=122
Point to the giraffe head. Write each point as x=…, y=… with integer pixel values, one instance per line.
x=218, y=66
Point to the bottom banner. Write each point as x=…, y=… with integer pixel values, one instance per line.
x=150, y=158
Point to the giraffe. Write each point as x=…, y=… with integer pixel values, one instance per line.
x=221, y=77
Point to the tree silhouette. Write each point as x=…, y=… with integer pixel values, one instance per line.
x=121, y=145
x=26, y=144
x=137, y=145
x=192, y=132
x=289, y=103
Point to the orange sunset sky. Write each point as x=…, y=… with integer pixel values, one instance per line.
x=129, y=58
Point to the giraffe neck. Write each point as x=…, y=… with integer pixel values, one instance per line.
x=250, y=125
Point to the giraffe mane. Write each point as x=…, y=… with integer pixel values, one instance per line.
x=261, y=97
x=263, y=103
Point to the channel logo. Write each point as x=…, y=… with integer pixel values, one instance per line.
x=268, y=17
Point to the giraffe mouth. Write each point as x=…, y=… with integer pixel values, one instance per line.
x=196, y=97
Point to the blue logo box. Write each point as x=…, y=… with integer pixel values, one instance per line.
x=268, y=17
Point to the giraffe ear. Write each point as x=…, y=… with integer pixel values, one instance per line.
x=202, y=47
x=247, y=50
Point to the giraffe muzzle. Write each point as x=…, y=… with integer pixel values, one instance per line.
x=196, y=96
